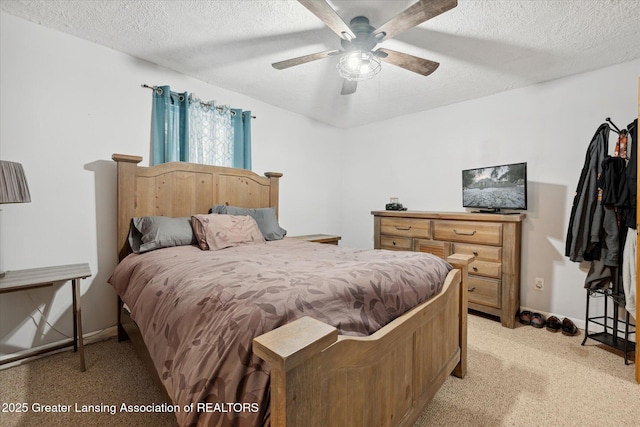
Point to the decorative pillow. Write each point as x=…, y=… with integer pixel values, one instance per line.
x=265, y=217
x=214, y=231
x=155, y=232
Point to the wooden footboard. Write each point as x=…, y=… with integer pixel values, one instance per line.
x=319, y=378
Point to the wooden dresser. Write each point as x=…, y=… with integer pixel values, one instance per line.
x=494, y=239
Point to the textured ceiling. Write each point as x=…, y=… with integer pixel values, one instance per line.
x=483, y=46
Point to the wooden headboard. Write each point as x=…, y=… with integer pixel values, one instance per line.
x=182, y=189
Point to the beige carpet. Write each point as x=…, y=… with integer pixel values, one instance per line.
x=519, y=377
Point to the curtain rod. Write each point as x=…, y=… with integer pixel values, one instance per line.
x=208, y=104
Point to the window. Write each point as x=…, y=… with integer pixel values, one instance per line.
x=186, y=129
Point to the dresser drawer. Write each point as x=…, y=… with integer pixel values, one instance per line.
x=408, y=227
x=441, y=249
x=483, y=253
x=484, y=291
x=396, y=243
x=487, y=233
x=486, y=268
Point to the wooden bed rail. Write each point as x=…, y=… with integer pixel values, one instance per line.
x=320, y=378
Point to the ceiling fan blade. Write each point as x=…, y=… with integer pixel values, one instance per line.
x=348, y=87
x=303, y=59
x=330, y=17
x=408, y=62
x=414, y=15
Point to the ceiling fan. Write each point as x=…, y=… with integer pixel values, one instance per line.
x=359, y=61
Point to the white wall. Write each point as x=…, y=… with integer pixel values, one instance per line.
x=66, y=106
x=419, y=158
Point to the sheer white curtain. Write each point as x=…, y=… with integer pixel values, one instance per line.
x=211, y=134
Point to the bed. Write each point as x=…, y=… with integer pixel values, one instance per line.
x=306, y=363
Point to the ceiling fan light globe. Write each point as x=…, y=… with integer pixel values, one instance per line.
x=354, y=63
x=358, y=65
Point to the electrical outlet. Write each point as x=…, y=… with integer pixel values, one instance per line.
x=539, y=284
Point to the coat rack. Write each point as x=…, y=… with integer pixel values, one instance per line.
x=613, y=297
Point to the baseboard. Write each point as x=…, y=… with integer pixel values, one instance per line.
x=35, y=353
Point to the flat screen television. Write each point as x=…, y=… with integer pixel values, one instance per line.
x=494, y=188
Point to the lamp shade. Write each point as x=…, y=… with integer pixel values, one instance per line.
x=13, y=183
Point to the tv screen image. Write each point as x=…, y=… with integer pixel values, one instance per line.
x=495, y=187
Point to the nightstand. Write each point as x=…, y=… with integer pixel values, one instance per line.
x=21, y=280
x=320, y=238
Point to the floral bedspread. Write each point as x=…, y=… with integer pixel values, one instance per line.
x=199, y=311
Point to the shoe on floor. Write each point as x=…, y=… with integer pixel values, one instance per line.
x=525, y=317
x=538, y=320
x=569, y=328
x=553, y=324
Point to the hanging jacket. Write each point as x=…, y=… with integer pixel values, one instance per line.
x=587, y=213
x=613, y=181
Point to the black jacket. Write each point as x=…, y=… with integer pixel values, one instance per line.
x=587, y=213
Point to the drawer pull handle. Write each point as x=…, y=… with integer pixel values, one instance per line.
x=471, y=289
x=475, y=268
x=464, y=234
x=475, y=253
x=403, y=228
x=394, y=243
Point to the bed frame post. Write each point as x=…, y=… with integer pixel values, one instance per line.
x=274, y=189
x=126, y=208
x=293, y=351
x=127, y=184
x=461, y=262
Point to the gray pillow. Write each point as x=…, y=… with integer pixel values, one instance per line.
x=155, y=232
x=265, y=217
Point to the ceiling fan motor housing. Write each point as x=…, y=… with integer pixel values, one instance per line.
x=364, y=35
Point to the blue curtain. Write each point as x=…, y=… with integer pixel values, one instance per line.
x=173, y=131
x=241, y=121
x=169, y=126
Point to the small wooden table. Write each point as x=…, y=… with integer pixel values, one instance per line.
x=21, y=280
x=320, y=238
